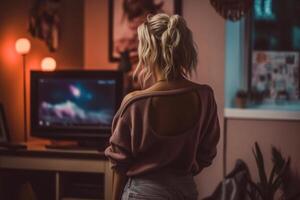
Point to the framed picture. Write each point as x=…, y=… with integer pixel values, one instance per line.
x=4, y=136
x=124, y=18
x=275, y=75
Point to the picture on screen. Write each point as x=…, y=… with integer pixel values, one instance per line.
x=76, y=103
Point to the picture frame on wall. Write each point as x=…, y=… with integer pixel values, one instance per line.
x=124, y=18
x=4, y=135
x=275, y=75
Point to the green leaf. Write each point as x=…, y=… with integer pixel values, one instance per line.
x=281, y=173
x=261, y=167
x=277, y=159
x=272, y=175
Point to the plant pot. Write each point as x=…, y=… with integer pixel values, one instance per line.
x=240, y=102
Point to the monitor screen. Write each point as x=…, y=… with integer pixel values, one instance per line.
x=71, y=104
x=76, y=103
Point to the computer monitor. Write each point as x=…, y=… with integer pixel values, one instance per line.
x=74, y=104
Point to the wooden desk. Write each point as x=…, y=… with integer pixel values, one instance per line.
x=58, y=161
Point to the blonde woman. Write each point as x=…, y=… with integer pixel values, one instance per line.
x=167, y=133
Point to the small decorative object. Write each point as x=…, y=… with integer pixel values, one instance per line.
x=4, y=136
x=256, y=97
x=48, y=64
x=241, y=99
x=44, y=22
x=124, y=18
x=23, y=47
x=232, y=9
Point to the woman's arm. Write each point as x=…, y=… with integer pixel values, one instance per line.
x=119, y=182
x=207, y=148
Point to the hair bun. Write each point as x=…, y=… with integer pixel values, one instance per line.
x=172, y=33
x=173, y=22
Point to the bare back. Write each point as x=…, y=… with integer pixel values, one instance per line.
x=174, y=114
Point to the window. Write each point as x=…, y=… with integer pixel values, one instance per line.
x=263, y=58
x=275, y=52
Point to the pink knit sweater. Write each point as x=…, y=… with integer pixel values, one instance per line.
x=135, y=148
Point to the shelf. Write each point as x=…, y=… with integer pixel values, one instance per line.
x=74, y=198
x=261, y=114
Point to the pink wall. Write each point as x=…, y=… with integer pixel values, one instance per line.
x=13, y=25
x=242, y=134
x=96, y=35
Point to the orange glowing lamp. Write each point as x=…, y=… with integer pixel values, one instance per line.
x=48, y=64
x=23, y=46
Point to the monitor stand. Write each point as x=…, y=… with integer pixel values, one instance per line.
x=96, y=145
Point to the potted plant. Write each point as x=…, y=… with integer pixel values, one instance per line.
x=266, y=187
x=241, y=99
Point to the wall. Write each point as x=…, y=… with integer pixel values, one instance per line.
x=282, y=134
x=96, y=35
x=13, y=25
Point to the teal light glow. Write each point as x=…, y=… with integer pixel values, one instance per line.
x=263, y=9
x=258, y=8
x=296, y=37
x=268, y=8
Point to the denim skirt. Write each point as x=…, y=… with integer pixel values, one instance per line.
x=160, y=186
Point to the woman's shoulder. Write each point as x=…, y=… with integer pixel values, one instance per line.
x=129, y=99
x=206, y=88
x=202, y=88
x=130, y=96
x=137, y=97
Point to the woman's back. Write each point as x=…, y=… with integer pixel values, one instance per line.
x=165, y=127
x=175, y=114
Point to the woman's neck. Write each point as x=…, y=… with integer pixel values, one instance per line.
x=162, y=78
x=159, y=76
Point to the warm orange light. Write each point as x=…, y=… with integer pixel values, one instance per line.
x=23, y=46
x=48, y=64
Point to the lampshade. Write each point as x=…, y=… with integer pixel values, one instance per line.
x=48, y=64
x=232, y=10
x=23, y=46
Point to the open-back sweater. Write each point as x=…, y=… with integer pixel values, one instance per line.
x=135, y=148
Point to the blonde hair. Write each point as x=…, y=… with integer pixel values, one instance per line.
x=166, y=42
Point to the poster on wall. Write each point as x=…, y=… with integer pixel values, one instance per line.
x=275, y=75
x=124, y=18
